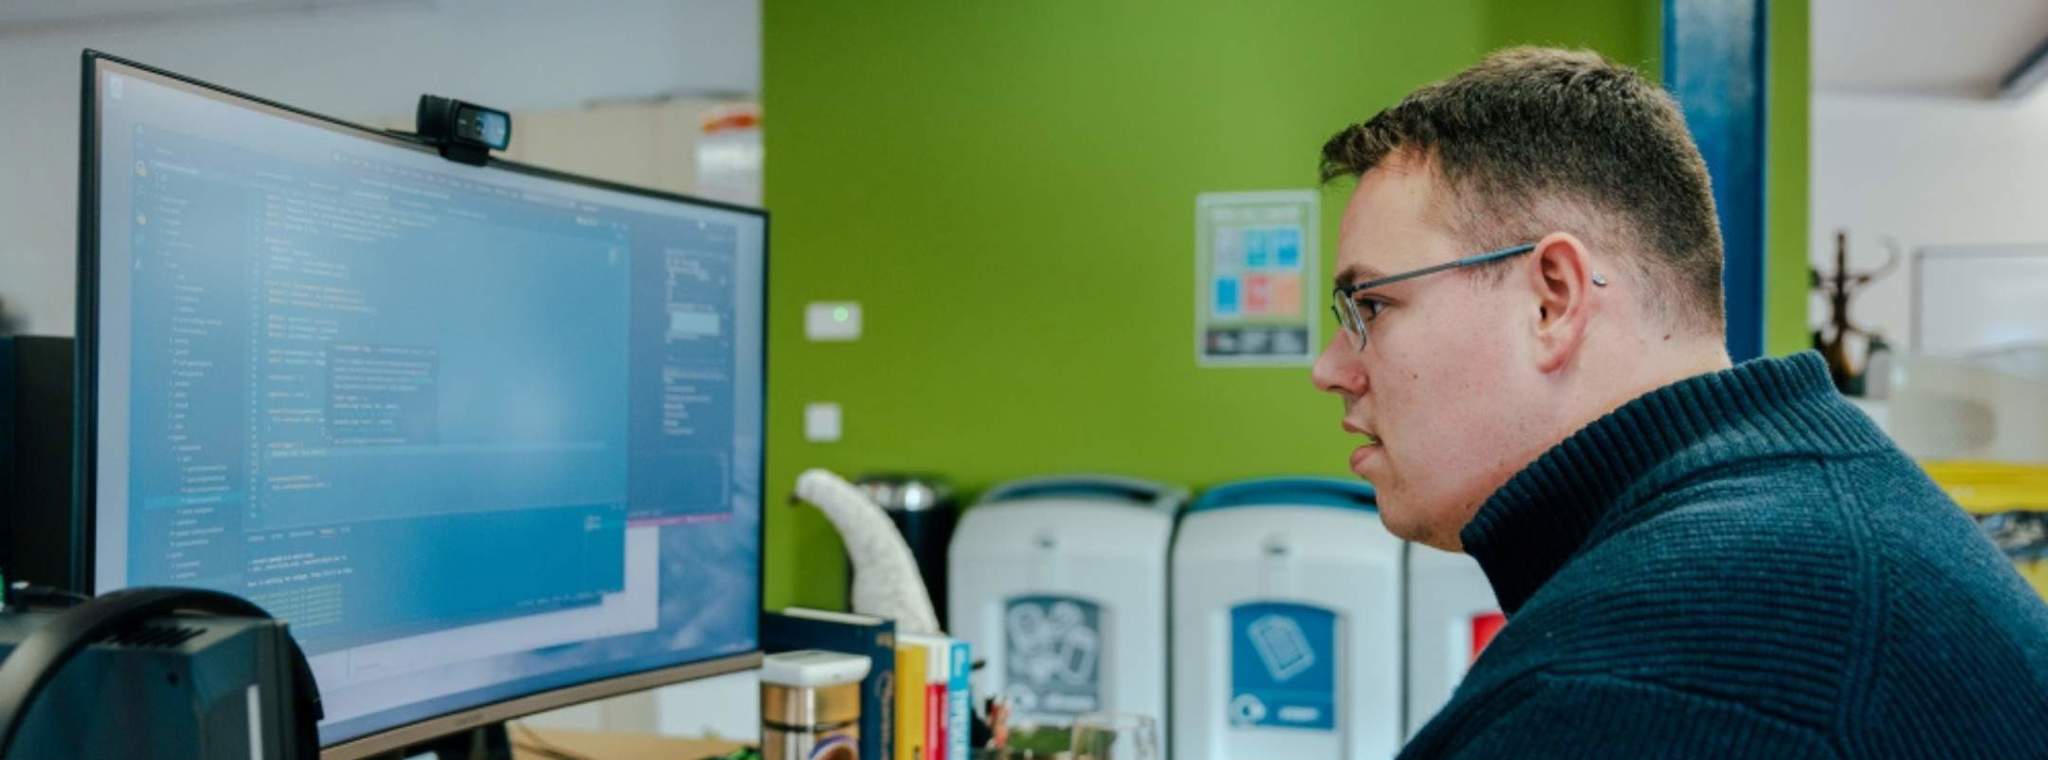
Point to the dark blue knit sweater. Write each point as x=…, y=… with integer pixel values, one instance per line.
x=1742, y=565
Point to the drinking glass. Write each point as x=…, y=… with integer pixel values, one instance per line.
x=1116, y=736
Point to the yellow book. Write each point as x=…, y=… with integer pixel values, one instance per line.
x=910, y=679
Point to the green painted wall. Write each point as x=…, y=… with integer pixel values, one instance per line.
x=1008, y=189
x=1627, y=31
x=1789, y=100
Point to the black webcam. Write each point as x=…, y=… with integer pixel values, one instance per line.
x=464, y=132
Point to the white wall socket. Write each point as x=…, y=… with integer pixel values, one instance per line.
x=821, y=422
x=832, y=321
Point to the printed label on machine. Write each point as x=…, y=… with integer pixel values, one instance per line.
x=1283, y=666
x=1052, y=652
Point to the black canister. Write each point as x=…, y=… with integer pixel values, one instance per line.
x=924, y=511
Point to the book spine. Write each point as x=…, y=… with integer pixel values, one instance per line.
x=878, y=730
x=959, y=702
x=910, y=699
x=935, y=721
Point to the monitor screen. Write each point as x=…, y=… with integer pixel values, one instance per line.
x=476, y=433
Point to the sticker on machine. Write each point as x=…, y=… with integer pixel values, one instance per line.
x=1052, y=657
x=1283, y=667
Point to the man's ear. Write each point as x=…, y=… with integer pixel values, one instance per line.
x=1560, y=273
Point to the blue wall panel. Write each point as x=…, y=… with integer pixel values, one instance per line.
x=1714, y=62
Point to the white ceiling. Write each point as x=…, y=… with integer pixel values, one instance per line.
x=1904, y=47
x=1923, y=47
x=18, y=16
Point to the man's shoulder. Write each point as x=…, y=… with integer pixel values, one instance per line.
x=1805, y=535
x=1723, y=558
x=1858, y=529
x=1740, y=585
x=1779, y=584
x=1836, y=590
x=1828, y=508
x=1744, y=526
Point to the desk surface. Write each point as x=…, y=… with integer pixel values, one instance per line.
x=600, y=745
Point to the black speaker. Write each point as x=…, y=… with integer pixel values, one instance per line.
x=43, y=529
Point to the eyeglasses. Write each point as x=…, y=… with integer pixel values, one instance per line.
x=1345, y=297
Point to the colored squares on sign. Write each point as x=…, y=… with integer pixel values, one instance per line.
x=1226, y=297
x=1257, y=248
x=1229, y=251
x=1286, y=245
x=1258, y=294
x=1285, y=294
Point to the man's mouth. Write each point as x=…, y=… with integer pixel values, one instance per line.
x=1371, y=438
x=1371, y=449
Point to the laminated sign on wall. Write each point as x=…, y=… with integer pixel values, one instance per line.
x=1255, y=277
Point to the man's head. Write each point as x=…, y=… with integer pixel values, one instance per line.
x=1469, y=374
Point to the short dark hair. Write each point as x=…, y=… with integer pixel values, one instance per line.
x=1535, y=140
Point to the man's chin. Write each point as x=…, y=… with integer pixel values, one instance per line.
x=1410, y=522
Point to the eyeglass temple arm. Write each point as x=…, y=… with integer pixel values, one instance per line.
x=1483, y=258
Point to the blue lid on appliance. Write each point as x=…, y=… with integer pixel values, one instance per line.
x=1290, y=492
x=1143, y=493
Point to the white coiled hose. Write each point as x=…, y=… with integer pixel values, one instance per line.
x=885, y=579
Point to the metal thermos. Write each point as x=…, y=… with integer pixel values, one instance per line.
x=810, y=705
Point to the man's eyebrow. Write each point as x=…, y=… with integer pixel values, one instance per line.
x=1356, y=273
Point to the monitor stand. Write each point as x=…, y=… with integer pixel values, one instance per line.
x=486, y=742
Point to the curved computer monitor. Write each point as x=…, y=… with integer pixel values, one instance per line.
x=489, y=438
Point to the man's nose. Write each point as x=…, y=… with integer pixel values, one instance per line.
x=1337, y=369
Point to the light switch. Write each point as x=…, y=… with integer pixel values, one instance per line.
x=832, y=321
x=821, y=422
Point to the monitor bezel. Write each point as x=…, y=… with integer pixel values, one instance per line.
x=85, y=447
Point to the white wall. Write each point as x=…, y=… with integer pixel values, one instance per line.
x=1927, y=171
x=363, y=63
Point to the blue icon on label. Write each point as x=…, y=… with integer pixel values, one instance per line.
x=1282, y=645
x=1227, y=302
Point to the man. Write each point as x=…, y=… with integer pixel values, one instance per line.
x=1697, y=560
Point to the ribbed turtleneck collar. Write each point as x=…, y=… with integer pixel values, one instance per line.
x=1545, y=514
